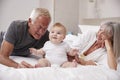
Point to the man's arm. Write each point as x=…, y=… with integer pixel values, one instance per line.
x=5, y=51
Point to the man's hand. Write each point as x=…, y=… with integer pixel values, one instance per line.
x=24, y=64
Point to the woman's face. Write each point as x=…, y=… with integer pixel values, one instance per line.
x=100, y=33
x=103, y=33
x=38, y=27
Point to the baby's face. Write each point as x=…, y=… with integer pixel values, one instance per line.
x=56, y=35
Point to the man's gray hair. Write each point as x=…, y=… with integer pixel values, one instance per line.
x=39, y=12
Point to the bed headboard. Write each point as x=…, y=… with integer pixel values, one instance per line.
x=97, y=21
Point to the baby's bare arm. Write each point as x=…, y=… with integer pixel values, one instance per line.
x=73, y=52
x=37, y=51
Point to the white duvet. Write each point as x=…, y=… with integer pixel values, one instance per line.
x=56, y=73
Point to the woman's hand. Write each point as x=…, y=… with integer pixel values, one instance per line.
x=90, y=62
x=102, y=36
x=83, y=62
x=79, y=60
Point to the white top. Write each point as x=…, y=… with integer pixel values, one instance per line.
x=56, y=53
x=85, y=42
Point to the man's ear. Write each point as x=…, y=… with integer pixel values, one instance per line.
x=29, y=20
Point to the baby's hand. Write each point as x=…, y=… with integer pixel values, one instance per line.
x=37, y=52
x=74, y=52
x=33, y=51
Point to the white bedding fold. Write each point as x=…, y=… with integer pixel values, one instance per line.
x=57, y=73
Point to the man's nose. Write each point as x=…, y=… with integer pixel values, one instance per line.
x=41, y=31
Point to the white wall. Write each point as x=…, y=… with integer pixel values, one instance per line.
x=93, y=9
x=48, y=4
x=93, y=12
x=109, y=8
x=67, y=12
x=63, y=11
x=15, y=9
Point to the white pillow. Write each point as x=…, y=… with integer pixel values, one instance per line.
x=85, y=28
x=70, y=38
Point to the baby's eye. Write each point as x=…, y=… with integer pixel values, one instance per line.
x=52, y=32
x=58, y=33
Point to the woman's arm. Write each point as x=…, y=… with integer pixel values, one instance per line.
x=83, y=62
x=111, y=57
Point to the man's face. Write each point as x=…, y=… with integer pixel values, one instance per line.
x=38, y=27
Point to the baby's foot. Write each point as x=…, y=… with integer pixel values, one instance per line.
x=74, y=63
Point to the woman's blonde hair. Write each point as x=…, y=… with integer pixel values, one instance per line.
x=113, y=28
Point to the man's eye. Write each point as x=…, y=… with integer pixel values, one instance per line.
x=38, y=27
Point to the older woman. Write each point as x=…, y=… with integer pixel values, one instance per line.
x=101, y=48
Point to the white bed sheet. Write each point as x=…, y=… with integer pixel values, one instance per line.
x=56, y=73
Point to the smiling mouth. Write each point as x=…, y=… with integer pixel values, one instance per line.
x=54, y=37
x=38, y=35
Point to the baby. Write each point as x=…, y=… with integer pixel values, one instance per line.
x=55, y=50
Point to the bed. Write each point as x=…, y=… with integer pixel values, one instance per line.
x=56, y=73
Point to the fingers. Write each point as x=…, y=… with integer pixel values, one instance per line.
x=21, y=66
x=77, y=59
x=24, y=64
x=74, y=52
x=33, y=50
x=27, y=64
x=90, y=62
x=37, y=65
